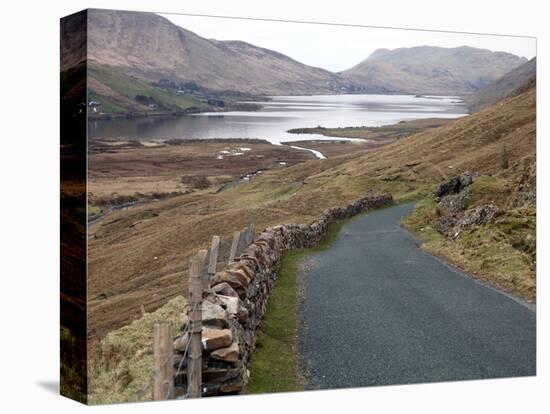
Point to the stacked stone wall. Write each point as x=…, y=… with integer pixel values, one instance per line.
x=236, y=299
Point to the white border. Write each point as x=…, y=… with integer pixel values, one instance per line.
x=29, y=170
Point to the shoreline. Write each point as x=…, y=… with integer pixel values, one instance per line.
x=109, y=116
x=255, y=103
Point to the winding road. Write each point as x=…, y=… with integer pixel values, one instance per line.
x=378, y=310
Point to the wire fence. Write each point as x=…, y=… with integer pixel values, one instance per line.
x=180, y=365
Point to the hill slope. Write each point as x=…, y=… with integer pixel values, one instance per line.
x=517, y=78
x=431, y=70
x=151, y=47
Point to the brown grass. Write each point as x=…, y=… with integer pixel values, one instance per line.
x=140, y=256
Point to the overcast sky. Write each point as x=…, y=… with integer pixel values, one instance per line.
x=337, y=48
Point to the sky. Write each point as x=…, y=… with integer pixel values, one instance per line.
x=338, y=48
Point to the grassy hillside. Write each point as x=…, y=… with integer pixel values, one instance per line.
x=507, y=85
x=151, y=47
x=121, y=364
x=117, y=92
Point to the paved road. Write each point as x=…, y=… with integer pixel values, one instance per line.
x=377, y=310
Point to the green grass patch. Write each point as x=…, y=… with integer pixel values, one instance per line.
x=107, y=105
x=275, y=363
x=130, y=87
x=92, y=210
x=488, y=188
x=402, y=190
x=422, y=219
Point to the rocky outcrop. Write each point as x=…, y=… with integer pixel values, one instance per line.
x=455, y=203
x=456, y=184
x=525, y=193
x=236, y=299
x=453, y=197
x=452, y=225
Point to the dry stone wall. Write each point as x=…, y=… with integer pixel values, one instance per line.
x=236, y=299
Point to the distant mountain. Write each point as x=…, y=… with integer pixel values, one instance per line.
x=142, y=62
x=513, y=82
x=151, y=47
x=431, y=70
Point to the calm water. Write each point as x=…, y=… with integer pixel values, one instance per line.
x=283, y=113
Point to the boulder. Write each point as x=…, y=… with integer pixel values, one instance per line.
x=216, y=338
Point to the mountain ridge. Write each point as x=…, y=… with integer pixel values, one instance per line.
x=432, y=69
x=141, y=60
x=160, y=49
x=511, y=83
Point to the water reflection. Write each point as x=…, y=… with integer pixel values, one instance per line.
x=283, y=113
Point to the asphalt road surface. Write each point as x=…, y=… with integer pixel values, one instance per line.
x=378, y=310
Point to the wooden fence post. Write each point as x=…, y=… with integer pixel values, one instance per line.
x=194, y=357
x=252, y=232
x=205, y=279
x=163, y=339
x=234, y=246
x=243, y=242
x=214, y=253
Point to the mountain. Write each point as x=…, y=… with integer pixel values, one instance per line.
x=150, y=47
x=514, y=81
x=431, y=70
x=142, y=62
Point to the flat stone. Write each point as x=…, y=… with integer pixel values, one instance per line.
x=236, y=281
x=231, y=304
x=229, y=354
x=216, y=338
x=246, y=270
x=214, y=315
x=241, y=275
x=225, y=289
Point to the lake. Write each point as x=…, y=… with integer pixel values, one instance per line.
x=282, y=113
